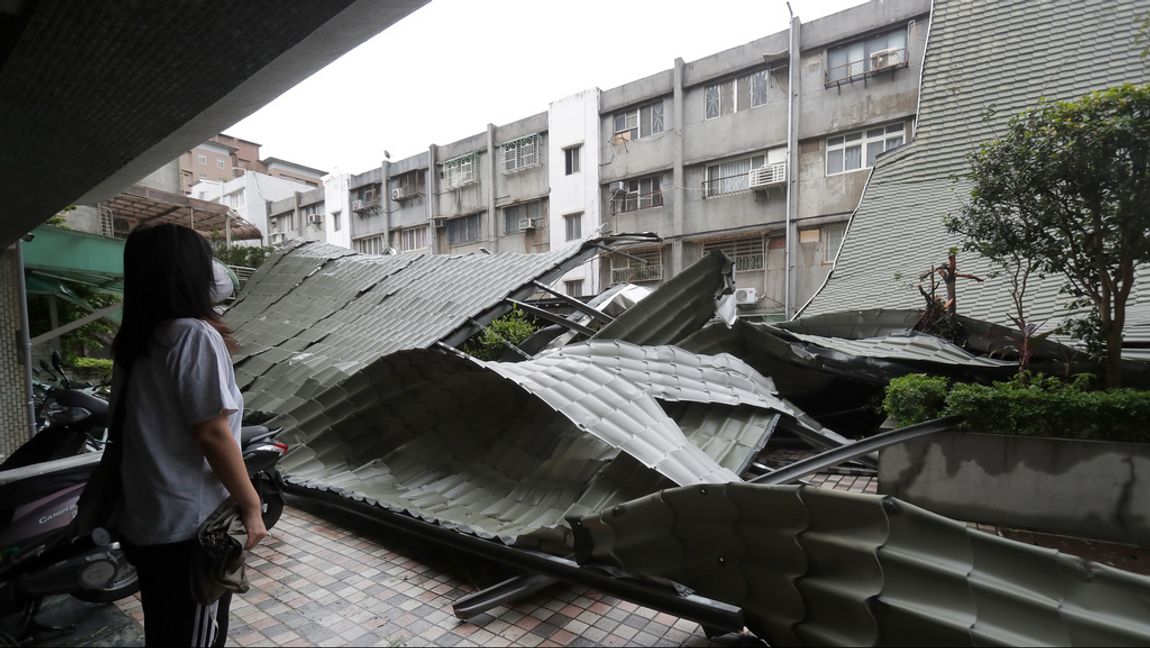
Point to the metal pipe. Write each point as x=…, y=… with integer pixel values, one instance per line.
x=25, y=340
x=792, y=157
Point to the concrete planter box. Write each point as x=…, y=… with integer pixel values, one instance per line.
x=1090, y=489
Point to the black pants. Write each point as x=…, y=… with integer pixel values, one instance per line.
x=171, y=616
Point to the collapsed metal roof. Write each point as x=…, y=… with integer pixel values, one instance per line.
x=315, y=314
x=813, y=566
x=580, y=447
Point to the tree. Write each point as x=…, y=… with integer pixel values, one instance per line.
x=1066, y=190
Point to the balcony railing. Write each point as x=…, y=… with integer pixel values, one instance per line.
x=649, y=272
x=878, y=62
x=636, y=201
x=749, y=262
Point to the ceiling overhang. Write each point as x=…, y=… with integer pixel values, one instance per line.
x=96, y=95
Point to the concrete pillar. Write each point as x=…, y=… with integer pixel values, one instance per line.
x=793, y=111
x=492, y=173
x=15, y=427
x=385, y=199
x=678, y=193
x=433, y=198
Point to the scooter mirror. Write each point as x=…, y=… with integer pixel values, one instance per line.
x=44, y=365
x=57, y=361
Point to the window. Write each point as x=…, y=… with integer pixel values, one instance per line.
x=858, y=150
x=638, y=123
x=517, y=218
x=371, y=245
x=201, y=158
x=463, y=230
x=461, y=171
x=632, y=195
x=747, y=253
x=369, y=194
x=573, y=288
x=864, y=58
x=729, y=177
x=521, y=154
x=638, y=265
x=832, y=239
x=571, y=159
x=335, y=220
x=409, y=185
x=573, y=226
x=219, y=163
x=414, y=238
x=733, y=95
x=235, y=199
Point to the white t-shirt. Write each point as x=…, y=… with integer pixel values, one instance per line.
x=186, y=378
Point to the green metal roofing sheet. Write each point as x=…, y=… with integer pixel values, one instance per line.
x=812, y=566
x=1000, y=55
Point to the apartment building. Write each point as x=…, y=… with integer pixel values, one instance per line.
x=761, y=151
x=225, y=157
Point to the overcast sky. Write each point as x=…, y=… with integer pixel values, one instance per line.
x=445, y=71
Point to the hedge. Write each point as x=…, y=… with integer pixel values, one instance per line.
x=1042, y=406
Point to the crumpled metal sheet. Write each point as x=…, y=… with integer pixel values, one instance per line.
x=507, y=450
x=317, y=314
x=677, y=308
x=906, y=347
x=814, y=566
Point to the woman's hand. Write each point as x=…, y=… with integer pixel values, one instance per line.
x=254, y=523
x=223, y=454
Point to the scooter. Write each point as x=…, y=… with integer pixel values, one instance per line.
x=39, y=487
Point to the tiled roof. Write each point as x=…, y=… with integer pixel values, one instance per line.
x=316, y=313
x=817, y=567
x=509, y=450
x=1000, y=55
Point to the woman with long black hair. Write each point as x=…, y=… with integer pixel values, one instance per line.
x=181, y=428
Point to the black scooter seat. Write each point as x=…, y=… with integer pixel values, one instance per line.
x=252, y=433
x=74, y=398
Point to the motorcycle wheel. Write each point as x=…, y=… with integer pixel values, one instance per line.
x=125, y=583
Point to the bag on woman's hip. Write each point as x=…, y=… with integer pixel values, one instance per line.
x=218, y=555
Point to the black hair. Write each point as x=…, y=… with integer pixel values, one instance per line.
x=167, y=275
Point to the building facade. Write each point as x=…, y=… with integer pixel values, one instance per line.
x=225, y=157
x=760, y=151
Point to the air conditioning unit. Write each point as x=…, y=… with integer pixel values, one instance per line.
x=886, y=58
x=315, y=219
x=746, y=296
x=526, y=223
x=278, y=238
x=398, y=193
x=439, y=221
x=357, y=205
x=617, y=187
x=768, y=175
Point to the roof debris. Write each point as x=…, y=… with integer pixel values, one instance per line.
x=628, y=425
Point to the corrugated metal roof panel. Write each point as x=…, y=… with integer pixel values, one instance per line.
x=1058, y=49
x=910, y=347
x=507, y=450
x=813, y=566
x=333, y=312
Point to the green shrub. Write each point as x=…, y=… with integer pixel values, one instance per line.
x=915, y=398
x=514, y=328
x=1026, y=405
x=98, y=368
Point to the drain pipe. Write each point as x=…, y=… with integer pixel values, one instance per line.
x=25, y=340
x=792, y=159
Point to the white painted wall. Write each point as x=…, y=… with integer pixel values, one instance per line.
x=574, y=120
x=336, y=199
x=257, y=189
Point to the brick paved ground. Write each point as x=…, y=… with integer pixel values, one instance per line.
x=331, y=579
